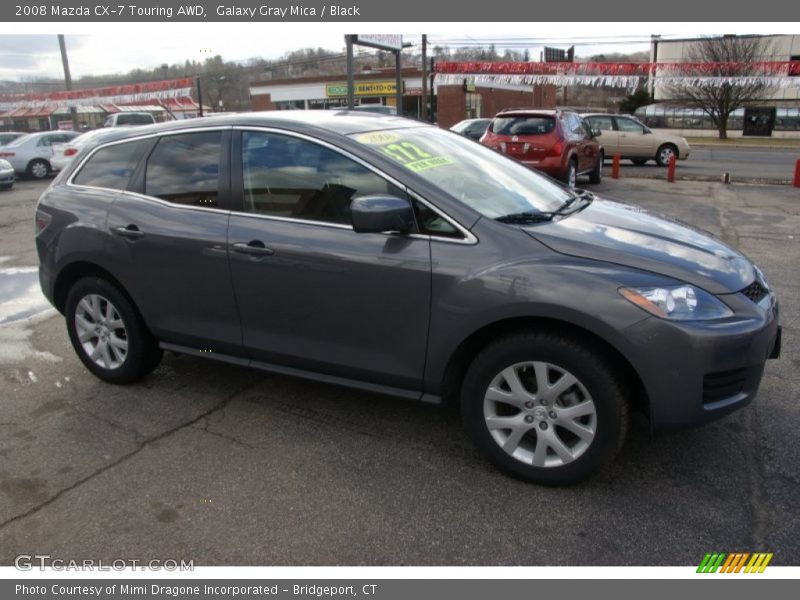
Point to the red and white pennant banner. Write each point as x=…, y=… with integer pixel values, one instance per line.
x=700, y=74
x=136, y=92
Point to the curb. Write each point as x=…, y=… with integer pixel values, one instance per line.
x=740, y=146
x=707, y=179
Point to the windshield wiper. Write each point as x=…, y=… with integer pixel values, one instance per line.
x=525, y=217
x=578, y=194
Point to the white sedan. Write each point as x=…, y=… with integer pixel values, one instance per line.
x=31, y=154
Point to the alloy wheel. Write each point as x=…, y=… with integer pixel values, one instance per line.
x=540, y=414
x=101, y=331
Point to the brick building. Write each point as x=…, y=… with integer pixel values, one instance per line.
x=452, y=103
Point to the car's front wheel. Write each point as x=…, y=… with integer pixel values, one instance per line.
x=665, y=153
x=107, y=332
x=544, y=408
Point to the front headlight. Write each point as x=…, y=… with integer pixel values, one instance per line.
x=679, y=303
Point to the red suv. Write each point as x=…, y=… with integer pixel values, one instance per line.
x=557, y=142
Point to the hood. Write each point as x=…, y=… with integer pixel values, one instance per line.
x=631, y=236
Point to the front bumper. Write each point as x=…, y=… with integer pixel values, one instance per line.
x=6, y=177
x=697, y=372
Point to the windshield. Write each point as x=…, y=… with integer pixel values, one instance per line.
x=483, y=179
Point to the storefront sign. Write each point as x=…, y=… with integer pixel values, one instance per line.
x=382, y=41
x=362, y=88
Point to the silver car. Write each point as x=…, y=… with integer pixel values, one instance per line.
x=31, y=154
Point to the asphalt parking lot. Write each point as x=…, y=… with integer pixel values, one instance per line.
x=224, y=466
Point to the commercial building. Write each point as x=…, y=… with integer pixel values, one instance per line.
x=451, y=103
x=777, y=115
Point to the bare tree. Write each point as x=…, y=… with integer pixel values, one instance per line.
x=719, y=102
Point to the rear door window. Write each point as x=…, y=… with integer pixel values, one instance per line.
x=111, y=167
x=184, y=169
x=523, y=125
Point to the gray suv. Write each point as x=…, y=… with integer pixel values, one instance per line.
x=389, y=255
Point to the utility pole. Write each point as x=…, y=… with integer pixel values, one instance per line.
x=423, y=115
x=432, y=74
x=199, y=94
x=350, y=83
x=398, y=74
x=68, y=79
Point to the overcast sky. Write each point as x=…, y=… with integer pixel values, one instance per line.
x=29, y=56
x=108, y=48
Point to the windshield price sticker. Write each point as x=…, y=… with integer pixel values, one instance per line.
x=409, y=155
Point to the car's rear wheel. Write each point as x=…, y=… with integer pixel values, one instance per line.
x=38, y=169
x=571, y=177
x=639, y=161
x=665, y=152
x=596, y=176
x=107, y=332
x=544, y=408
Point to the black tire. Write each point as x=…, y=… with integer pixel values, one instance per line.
x=38, y=169
x=596, y=176
x=639, y=161
x=6, y=187
x=590, y=370
x=142, y=355
x=662, y=157
x=571, y=176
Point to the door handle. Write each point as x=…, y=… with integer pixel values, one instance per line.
x=130, y=232
x=253, y=248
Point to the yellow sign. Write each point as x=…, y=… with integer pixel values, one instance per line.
x=362, y=88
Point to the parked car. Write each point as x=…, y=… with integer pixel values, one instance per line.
x=472, y=128
x=626, y=136
x=556, y=142
x=65, y=152
x=397, y=257
x=9, y=136
x=129, y=118
x=379, y=109
x=6, y=175
x=31, y=153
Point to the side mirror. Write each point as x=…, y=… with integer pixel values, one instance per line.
x=376, y=214
x=596, y=132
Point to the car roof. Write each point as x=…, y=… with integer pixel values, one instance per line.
x=339, y=121
x=606, y=114
x=549, y=112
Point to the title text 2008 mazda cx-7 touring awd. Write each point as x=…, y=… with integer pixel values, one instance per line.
x=393, y=256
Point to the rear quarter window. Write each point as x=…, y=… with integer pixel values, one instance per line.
x=519, y=125
x=111, y=167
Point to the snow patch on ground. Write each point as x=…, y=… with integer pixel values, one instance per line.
x=22, y=306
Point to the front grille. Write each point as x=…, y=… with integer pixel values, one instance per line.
x=723, y=384
x=755, y=291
